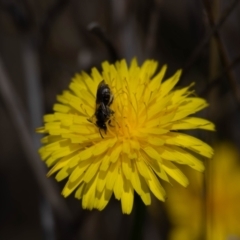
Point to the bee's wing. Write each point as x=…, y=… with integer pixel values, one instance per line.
x=101, y=86
x=104, y=109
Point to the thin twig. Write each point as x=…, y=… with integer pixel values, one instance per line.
x=51, y=16
x=223, y=54
x=196, y=53
x=16, y=114
x=19, y=14
x=214, y=82
x=35, y=109
x=101, y=34
x=151, y=36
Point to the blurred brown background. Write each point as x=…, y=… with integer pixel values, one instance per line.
x=44, y=42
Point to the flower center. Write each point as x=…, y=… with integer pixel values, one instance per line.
x=129, y=111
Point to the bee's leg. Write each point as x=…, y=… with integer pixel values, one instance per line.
x=91, y=119
x=111, y=111
x=111, y=100
x=109, y=123
x=101, y=133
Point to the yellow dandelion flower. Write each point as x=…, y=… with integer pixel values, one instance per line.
x=223, y=194
x=216, y=209
x=139, y=143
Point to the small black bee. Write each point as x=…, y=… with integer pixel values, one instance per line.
x=104, y=94
x=103, y=114
x=103, y=101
